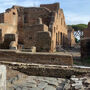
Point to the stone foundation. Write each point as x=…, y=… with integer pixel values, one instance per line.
x=42, y=58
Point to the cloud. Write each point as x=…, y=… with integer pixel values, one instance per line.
x=76, y=11
x=73, y=18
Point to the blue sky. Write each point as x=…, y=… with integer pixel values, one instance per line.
x=75, y=11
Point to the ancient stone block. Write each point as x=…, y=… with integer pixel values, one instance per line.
x=2, y=77
x=43, y=44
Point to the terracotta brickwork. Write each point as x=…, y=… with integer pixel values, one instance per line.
x=87, y=31
x=85, y=48
x=85, y=43
x=30, y=34
x=33, y=26
x=71, y=38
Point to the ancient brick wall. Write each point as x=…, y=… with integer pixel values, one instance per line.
x=23, y=20
x=85, y=48
x=43, y=58
x=52, y=7
x=2, y=18
x=28, y=24
x=85, y=43
x=32, y=14
x=10, y=16
x=30, y=33
x=8, y=38
x=43, y=41
x=71, y=38
x=7, y=29
x=9, y=23
x=86, y=32
x=59, y=30
x=0, y=35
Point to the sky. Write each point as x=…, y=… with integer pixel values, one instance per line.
x=75, y=11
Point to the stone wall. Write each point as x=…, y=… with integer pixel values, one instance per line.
x=30, y=33
x=8, y=25
x=0, y=35
x=43, y=58
x=52, y=7
x=23, y=21
x=71, y=37
x=59, y=30
x=54, y=20
x=6, y=29
x=85, y=48
x=86, y=31
x=85, y=43
x=2, y=18
x=10, y=16
x=43, y=44
x=32, y=14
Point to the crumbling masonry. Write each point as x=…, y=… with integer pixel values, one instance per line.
x=43, y=27
x=85, y=43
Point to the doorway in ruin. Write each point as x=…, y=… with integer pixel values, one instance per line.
x=88, y=48
x=0, y=35
x=56, y=39
x=61, y=39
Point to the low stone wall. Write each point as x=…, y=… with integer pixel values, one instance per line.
x=42, y=58
x=60, y=71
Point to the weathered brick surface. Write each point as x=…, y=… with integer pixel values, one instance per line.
x=85, y=43
x=71, y=38
x=27, y=21
x=43, y=44
x=87, y=31
x=85, y=48
x=30, y=34
x=43, y=58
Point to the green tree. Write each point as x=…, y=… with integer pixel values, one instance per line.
x=78, y=27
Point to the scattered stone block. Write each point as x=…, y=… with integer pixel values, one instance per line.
x=2, y=77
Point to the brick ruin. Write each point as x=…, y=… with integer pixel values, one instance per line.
x=43, y=27
x=85, y=43
x=71, y=38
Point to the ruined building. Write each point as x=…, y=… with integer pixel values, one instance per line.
x=43, y=27
x=85, y=43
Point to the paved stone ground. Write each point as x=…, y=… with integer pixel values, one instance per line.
x=20, y=81
x=47, y=83
x=36, y=83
